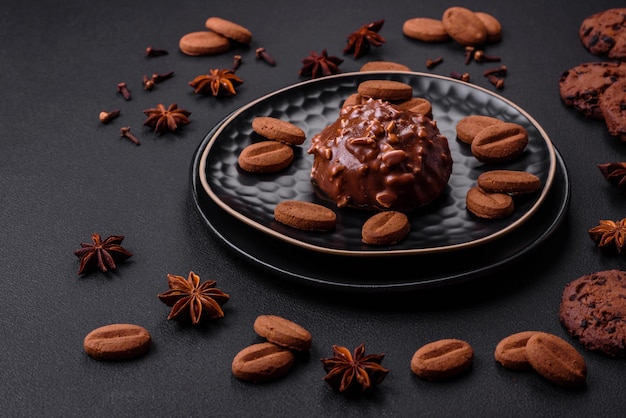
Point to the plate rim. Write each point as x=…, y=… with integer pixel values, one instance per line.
x=374, y=252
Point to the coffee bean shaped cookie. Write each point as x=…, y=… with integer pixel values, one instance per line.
x=443, y=359
x=464, y=26
x=469, y=126
x=493, y=26
x=499, y=142
x=385, y=90
x=425, y=29
x=511, y=351
x=278, y=130
x=383, y=66
x=508, y=181
x=117, y=342
x=229, y=29
x=385, y=228
x=203, y=43
x=489, y=205
x=417, y=105
x=265, y=157
x=556, y=360
x=307, y=216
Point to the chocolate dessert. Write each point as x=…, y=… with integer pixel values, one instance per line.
x=377, y=156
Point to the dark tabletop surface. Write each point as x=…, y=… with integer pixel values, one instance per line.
x=63, y=176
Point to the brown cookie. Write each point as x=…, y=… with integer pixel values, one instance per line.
x=508, y=181
x=278, y=130
x=511, y=351
x=229, y=29
x=464, y=26
x=203, y=43
x=353, y=99
x=383, y=66
x=604, y=33
x=305, y=215
x=425, y=29
x=593, y=309
x=417, y=105
x=385, y=228
x=489, y=205
x=469, y=126
x=556, y=359
x=499, y=142
x=613, y=107
x=283, y=332
x=493, y=26
x=581, y=86
x=117, y=342
x=265, y=157
x=385, y=90
x=442, y=359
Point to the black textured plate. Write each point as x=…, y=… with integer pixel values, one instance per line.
x=373, y=274
x=442, y=226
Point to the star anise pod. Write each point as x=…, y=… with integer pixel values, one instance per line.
x=360, y=41
x=318, y=65
x=216, y=82
x=358, y=371
x=609, y=234
x=101, y=254
x=188, y=298
x=162, y=119
x=615, y=173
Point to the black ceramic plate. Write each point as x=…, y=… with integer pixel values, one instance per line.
x=442, y=226
x=393, y=273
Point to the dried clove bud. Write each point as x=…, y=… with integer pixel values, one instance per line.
x=434, y=62
x=469, y=53
x=480, y=56
x=237, y=60
x=123, y=90
x=463, y=77
x=262, y=54
x=499, y=71
x=159, y=78
x=151, y=52
x=125, y=133
x=497, y=82
x=106, y=117
x=148, y=83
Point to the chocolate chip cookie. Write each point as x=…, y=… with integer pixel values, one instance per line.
x=593, y=309
x=604, y=33
x=613, y=107
x=581, y=86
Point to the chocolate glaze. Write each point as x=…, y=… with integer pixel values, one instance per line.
x=376, y=156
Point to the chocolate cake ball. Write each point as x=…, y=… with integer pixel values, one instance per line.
x=377, y=156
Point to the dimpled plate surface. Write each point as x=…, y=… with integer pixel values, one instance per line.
x=441, y=226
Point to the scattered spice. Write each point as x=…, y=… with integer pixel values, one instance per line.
x=496, y=81
x=319, y=65
x=609, y=234
x=217, y=82
x=358, y=371
x=123, y=90
x=190, y=298
x=460, y=76
x=499, y=71
x=101, y=254
x=359, y=41
x=237, y=60
x=106, y=117
x=159, y=78
x=432, y=63
x=615, y=173
x=152, y=52
x=162, y=119
x=148, y=83
x=480, y=56
x=469, y=54
x=262, y=54
x=125, y=133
